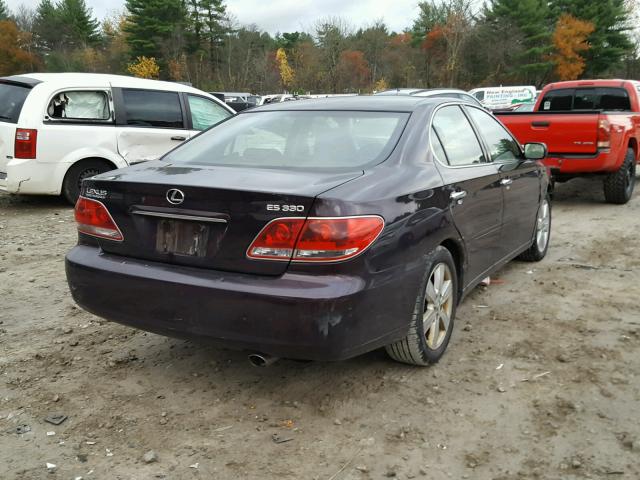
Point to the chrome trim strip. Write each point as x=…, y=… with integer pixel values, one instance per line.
x=177, y=216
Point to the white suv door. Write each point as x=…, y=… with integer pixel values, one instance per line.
x=149, y=123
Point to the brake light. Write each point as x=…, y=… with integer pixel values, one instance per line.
x=316, y=239
x=94, y=219
x=604, y=133
x=25, y=143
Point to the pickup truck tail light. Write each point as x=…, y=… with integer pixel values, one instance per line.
x=604, y=133
x=25, y=143
x=316, y=239
x=94, y=219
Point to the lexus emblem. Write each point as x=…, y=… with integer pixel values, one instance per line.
x=175, y=196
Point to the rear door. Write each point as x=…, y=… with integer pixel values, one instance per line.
x=474, y=186
x=149, y=123
x=519, y=178
x=12, y=98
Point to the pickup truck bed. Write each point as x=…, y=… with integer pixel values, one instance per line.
x=586, y=141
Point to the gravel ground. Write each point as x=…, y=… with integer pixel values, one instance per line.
x=541, y=379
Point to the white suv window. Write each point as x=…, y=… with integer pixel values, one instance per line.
x=79, y=105
x=205, y=112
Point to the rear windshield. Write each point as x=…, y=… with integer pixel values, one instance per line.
x=296, y=139
x=12, y=98
x=594, y=98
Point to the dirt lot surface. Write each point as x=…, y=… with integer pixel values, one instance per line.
x=541, y=380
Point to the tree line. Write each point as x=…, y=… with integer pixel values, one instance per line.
x=449, y=44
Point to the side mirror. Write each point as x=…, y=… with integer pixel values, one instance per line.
x=535, y=151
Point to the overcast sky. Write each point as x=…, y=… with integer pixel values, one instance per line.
x=290, y=15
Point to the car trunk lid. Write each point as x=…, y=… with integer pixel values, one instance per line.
x=204, y=216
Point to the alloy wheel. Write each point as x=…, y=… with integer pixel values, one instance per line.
x=438, y=305
x=542, y=226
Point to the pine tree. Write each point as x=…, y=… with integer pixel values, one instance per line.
x=81, y=29
x=533, y=22
x=4, y=11
x=609, y=42
x=151, y=24
x=47, y=27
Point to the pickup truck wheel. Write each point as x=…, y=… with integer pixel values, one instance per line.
x=538, y=249
x=618, y=186
x=77, y=173
x=432, y=319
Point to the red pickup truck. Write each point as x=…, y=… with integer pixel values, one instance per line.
x=590, y=127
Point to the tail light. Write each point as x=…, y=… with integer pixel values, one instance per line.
x=25, y=144
x=315, y=239
x=604, y=133
x=94, y=219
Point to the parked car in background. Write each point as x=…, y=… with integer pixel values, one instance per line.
x=590, y=127
x=499, y=98
x=58, y=128
x=431, y=92
x=238, y=100
x=320, y=229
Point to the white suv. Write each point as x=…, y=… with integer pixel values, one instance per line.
x=57, y=129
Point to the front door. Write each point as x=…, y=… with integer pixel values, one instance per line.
x=149, y=123
x=474, y=188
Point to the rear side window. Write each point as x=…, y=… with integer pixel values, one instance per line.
x=558, y=100
x=12, y=98
x=591, y=98
x=149, y=108
x=457, y=136
x=80, y=105
x=205, y=112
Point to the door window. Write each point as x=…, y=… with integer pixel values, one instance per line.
x=457, y=136
x=150, y=108
x=79, y=105
x=205, y=113
x=502, y=146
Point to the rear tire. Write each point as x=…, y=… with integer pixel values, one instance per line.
x=77, y=173
x=541, y=236
x=618, y=186
x=433, y=315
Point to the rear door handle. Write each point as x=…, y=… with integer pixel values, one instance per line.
x=506, y=182
x=457, y=196
x=178, y=138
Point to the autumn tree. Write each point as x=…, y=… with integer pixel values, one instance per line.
x=144, y=67
x=570, y=40
x=353, y=71
x=14, y=58
x=286, y=72
x=610, y=40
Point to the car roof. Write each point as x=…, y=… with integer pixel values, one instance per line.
x=388, y=103
x=100, y=80
x=420, y=92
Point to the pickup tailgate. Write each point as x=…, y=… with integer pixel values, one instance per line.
x=563, y=133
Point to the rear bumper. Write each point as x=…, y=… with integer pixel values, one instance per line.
x=33, y=177
x=316, y=317
x=601, y=162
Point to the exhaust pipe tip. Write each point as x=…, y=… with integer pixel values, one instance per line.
x=261, y=359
